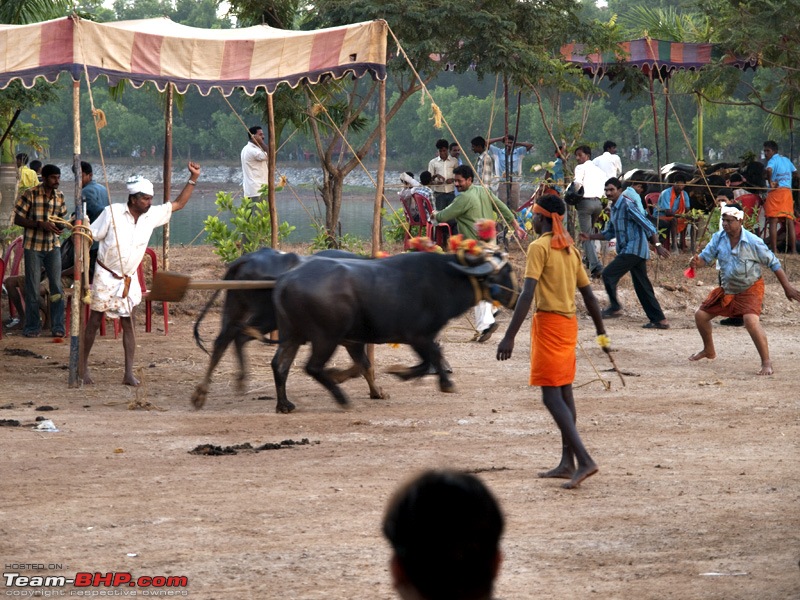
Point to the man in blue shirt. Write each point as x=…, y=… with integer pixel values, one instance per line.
x=740, y=254
x=508, y=168
x=673, y=201
x=779, y=204
x=632, y=230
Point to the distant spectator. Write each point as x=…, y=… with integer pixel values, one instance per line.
x=508, y=168
x=779, y=205
x=255, y=165
x=27, y=176
x=441, y=169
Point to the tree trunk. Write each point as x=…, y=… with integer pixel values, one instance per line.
x=332, y=198
x=8, y=192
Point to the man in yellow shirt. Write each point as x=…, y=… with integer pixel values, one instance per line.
x=27, y=176
x=553, y=271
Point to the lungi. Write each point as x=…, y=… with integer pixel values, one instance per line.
x=779, y=203
x=553, y=341
x=748, y=302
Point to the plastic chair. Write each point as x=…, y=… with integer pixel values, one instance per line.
x=12, y=258
x=413, y=220
x=148, y=304
x=434, y=232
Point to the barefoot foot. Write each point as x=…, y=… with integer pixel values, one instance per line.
x=87, y=380
x=130, y=380
x=560, y=472
x=581, y=474
x=766, y=368
x=709, y=354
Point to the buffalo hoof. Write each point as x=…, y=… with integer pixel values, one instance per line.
x=447, y=387
x=401, y=372
x=284, y=407
x=199, y=396
x=378, y=394
x=241, y=384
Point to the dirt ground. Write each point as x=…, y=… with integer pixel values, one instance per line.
x=697, y=495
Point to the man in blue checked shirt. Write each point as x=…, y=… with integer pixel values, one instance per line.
x=632, y=230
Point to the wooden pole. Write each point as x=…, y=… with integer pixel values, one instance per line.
x=376, y=214
x=655, y=125
x=272, y=161
x=666, y=120
x=699, y=128
x=75, y=329
x=167, y=173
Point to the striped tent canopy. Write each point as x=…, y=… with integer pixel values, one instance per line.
x=649, y=55
x=161, y=51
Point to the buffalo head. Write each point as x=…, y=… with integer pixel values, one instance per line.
x=493, y=273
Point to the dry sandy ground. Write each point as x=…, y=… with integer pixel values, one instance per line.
x=697, y=495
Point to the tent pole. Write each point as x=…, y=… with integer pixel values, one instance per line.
x=75, y=329
x=376, y=215
x=666, y=120
x=655, y=125
x=167, y=173
x=272, y=160
x=699, y=128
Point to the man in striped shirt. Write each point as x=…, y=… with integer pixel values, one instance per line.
x=632, y=230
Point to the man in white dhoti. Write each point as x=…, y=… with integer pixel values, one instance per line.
x=123, y=231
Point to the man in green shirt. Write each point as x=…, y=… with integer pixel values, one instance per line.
x=472, y=204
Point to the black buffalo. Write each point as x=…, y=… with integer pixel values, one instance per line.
x=403, y=299
x=250, y=314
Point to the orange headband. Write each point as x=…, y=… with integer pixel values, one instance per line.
x=561, y=239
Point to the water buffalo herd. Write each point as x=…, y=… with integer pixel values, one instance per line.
x=336, y=298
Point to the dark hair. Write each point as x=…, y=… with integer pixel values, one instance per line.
x=608, y=145
x=425, y=177
x=585, y=149
x=614, y=181
x=35, y=165
x=552, y=203
x=48, y=170
x=479, y=141
x=727, y=192
x=86, y=168
x=455, y=145
x=736, y=177
x=465, y=171
x=442, y=144
x=445, y=529
x=23, y=157
x=679, y=178
x=410, y=174
x=253, y=130
x=771, y=144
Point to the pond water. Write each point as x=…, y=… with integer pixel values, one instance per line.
x=299, y=207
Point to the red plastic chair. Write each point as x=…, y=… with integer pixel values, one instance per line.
x=148, y=304
x=12, y=258
x=434, y=232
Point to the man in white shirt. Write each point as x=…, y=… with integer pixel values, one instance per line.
x=123, y=231
x=593, y=179
x=609, y=161
x=441, y=170
x=255, y=166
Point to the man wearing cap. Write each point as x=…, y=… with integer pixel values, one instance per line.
x=34, y=211
x=123, y=231
x=740, y=255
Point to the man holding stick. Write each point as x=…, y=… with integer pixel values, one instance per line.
x=552, y=273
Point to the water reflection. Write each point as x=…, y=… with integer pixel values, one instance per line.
x=299, y=208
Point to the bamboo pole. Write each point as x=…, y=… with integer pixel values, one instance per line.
x=376, y=215
x=167, y=172
x=75, y=329
x=271, y=169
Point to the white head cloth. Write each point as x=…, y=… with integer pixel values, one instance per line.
x=139, y=185
x=733, y=211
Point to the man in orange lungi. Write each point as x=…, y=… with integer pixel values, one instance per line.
x=779, y=203
x=740, y=255
x=553, y=271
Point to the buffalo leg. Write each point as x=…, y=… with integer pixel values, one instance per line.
x=281, y=363
x=321, y=352
x=361, y=366
x=431, y=354
x=238, y=343
x=221, y=344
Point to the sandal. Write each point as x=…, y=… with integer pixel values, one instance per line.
x=652, y=325
x=611, y=313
